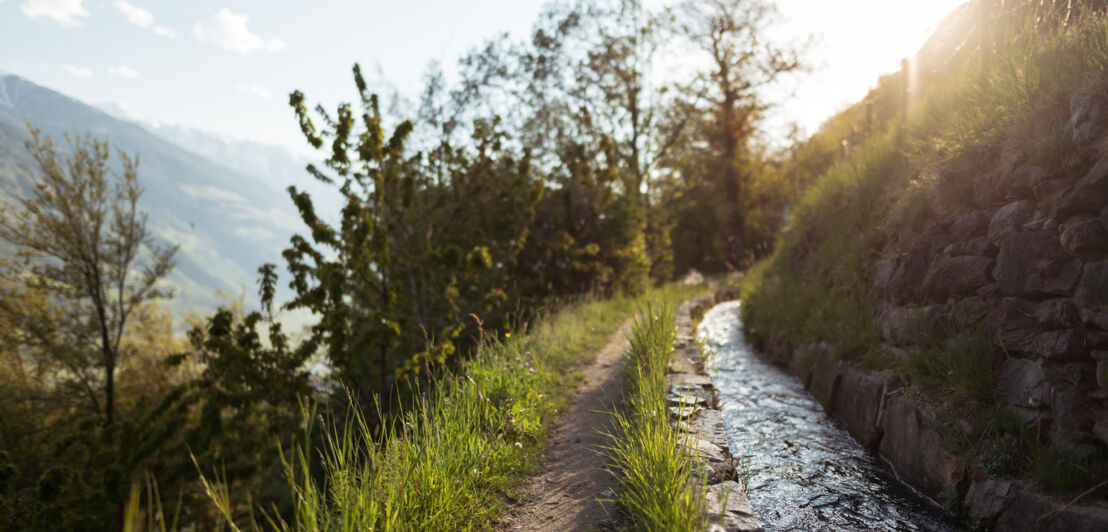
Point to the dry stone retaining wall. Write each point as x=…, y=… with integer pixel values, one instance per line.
x=1025, y=258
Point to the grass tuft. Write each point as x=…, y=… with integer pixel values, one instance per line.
x=658, y=487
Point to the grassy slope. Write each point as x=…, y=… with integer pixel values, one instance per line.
x=818, y=283
x=451, y=460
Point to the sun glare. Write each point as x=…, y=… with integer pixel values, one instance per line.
x=857, y=42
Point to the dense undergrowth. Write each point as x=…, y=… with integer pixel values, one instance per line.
x=818, y=282
x=651, y=457
x=449, y=460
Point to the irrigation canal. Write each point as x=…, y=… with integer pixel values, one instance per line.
x=803, y=471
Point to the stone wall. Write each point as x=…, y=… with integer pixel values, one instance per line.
x=1023, y=258
x=1026, y=257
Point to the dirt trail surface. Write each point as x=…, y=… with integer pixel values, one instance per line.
x=563, y=494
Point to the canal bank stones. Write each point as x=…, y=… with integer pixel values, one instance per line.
x=727, y=502
x=861, y=401
x=913, y=444
x=693, y=410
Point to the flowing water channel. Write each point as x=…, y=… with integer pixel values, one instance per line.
x=803, y=470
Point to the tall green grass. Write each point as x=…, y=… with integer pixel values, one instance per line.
x=449, y=460
x=658, y=487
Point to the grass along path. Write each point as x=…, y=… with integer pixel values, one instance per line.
x=568, y=492
x=453, y=460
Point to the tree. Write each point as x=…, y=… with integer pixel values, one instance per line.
x=86, y=244
x=731, y=96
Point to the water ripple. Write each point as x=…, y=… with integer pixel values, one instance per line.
x=804, y=471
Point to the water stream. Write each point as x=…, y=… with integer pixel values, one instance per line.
x=803, y=470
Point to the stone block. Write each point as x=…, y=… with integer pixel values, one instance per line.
x=987, y=291
x=886, y=268
x=1010, y=314
x=825, y=379
x=970, y=310
x=1048, y=192
x=693, y=379
x=1097, y=319
x=1061, y=345
x=910, y=272
x=1087, y=240
x=1072, y=407
x=708, y=425
x=1077, y=202
x=727, y=502
x=1018, y=341
x=1100, y=426
x=1095, y=180
x=1096, y=340
x=897, y=324
x=980, y=247
x=912, y=443
x=1086, y=121
x=1035, y=264
x=716, y=462
x=1023, y=179
x=688, y=394
x=1092, y=292
x=986, y=500
x=1088, y=197
x=1030, y=510
x=1057, y=313
x=1022, y=383
x=1009, y=219
x=859, y=401
x=956, y=276
x=969, y=226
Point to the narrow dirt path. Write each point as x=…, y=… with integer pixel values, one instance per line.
x=563, y=494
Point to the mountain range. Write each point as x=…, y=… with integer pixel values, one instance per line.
x=221, y=200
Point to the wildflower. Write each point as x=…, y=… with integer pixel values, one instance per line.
x=507, y=335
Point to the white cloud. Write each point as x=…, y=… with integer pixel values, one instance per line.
x=143, y=19
x=212, y=194
x=64, y=12
x=275, y=44
x=123, y=71
x=135, y=14
x=165, y=32
x=228, y=30
x=77, y=71
x=254, y=89
x=254, y=233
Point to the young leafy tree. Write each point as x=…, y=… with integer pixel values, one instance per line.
x=421, y=244
x=85, y=242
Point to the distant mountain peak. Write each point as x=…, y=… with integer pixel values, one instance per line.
x=5, y=100
x=123, y=111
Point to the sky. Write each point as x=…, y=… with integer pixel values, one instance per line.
x=227, y=66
